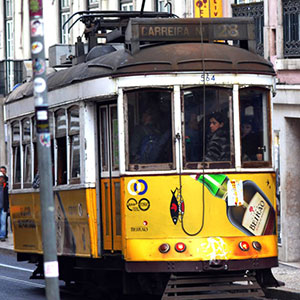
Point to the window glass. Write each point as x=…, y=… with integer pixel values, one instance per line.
x=16, y=153
x=115, y=138
x=73, y=119
x=104, y=139
x=73, y=114
x=127, y=6
x=60, y=125
x=27, y=157
x=207, y=126
x=149, y=127
x=61, y=144
x=254, y=113
x=75, y=156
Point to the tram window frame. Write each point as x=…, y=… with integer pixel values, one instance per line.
x=27, y=154
x=73, y=134
x=16, y=156
x=164, y=166
x=265, y=127
x=61, y=149
x=209, y=112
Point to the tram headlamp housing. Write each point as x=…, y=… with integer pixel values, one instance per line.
x=164, y=248
x=256, y=245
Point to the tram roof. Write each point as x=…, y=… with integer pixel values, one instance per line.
x=156, y=59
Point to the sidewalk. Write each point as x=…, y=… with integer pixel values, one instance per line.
x=289, y=273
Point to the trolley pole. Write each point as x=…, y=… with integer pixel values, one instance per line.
x=44, y=148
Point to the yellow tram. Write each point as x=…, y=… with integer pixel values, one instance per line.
x=144, y=185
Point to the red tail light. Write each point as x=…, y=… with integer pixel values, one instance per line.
x=180, y=247
x=244, y=246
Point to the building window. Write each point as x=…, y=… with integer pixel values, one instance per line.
x=162, y=6
x=64, y=16
x=74, y=138
x=92, y=4
x=291, y=23
x=247, y=1
x=9, y=45
x=253, y=9
x=126, y=5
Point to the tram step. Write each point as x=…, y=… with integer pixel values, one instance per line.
x=201, y=286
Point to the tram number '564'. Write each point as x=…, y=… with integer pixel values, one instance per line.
x=207, y=77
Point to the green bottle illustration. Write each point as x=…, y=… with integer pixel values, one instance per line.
x=248, y=208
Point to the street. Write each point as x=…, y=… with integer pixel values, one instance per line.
x=16, y=285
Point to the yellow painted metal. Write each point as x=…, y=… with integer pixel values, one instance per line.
x=205, y=216
x=111, y=214
x=106, y=214
x=92, y=213
x=71, y=217
x=200, y=249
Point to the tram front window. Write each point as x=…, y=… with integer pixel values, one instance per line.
x=254, y=114
x=149, y=127
x=207, y=122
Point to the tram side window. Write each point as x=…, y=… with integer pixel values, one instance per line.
x=150, y=128
x=27, y=155
x=16, y=154
x=61, y=146
x=254, y=114
x=73, y=114
x=207, y=122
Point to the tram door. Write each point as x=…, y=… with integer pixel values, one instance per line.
x=110, y=177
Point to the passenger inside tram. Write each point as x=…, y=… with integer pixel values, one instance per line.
x=251, y=149
x=218, y=144
x=150, y=128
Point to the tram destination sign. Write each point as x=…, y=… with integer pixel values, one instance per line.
x=193, y=30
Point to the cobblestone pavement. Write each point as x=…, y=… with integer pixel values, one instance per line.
x=289, y=274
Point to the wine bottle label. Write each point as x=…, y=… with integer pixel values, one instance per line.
x=235, y=196
x=256, y=215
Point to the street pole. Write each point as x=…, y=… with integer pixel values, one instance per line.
x=44, y=148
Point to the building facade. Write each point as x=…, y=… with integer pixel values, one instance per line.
x=278, y=39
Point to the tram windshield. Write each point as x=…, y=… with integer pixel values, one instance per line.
x=207, y=126
x=149, y=127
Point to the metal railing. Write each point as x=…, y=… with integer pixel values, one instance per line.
x=291, y=30
x=255, y=10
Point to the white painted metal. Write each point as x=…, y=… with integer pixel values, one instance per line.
x=236, y=129
x=177, y=127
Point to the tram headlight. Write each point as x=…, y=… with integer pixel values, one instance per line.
x=180, y=247
x=244, y=246
x=164, y=248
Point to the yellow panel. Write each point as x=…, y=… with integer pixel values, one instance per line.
x=25, y=217
x=223, y=248
x=71, y=217
x=92, y=213
x=106, y=213
x=116, y=217
x=208, y=8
